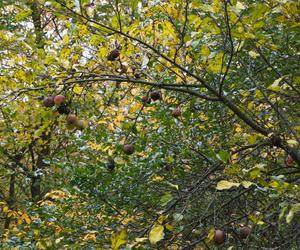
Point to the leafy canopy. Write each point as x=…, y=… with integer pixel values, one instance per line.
x=230, y=158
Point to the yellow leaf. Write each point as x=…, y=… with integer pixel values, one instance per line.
x=90, y=237
x=40, y=245
x=59, y=240
x=36, y=232
x=137, y=241
x=211, y=234
x=205, y=51
x=215, y=64
x=216, y=6
x=22, y=15
x=238, y=8
x=140, y=239
x=253, y=54
x=274, y=184
x=11, y=214
x=258, y=94
x=77, y=89
x=94, y=146
x=96, y=40
x=234, y=158
x=133, y=108
x=173, y=185
x=275, y=85
x=290, y=216
x=127, y=220
x=295, y=209
x=5, y=209
x=249, y=35
x=247, y=184
x=118, y=239
x=66, y=39
x=156, y=234
x=56, y=194
x=135, y=91
x=157, y=178
x=65, y=52
x=26, y=218
x=102, y=52
x=239, y=46
x=238, y=129
x=119, y=160
x=292, y=142
x=161, y=219
x=223, y=185
x=169, y=227
x=82, y=30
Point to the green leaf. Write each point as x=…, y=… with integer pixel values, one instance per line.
x=165, y=199
x=22, y=15
x=177, y=217
x=223, y=156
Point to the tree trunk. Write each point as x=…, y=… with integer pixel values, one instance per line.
x=11, y=198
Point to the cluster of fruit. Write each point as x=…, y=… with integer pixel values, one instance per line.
x=153, y=96
x=156, y=95
x=62, y=108
x=220, y=235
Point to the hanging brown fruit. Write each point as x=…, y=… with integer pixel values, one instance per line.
x=219, y=236
x=146, y=99
x=81, y=124
x=59, y=99
x=123, y=69
x=113, y=55
x=49, y=101
x=128, y=149
x=176, y=113
x=244, y=232
x=71, y=119
x=155, y=95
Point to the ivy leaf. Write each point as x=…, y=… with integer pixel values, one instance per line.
x=156, y=234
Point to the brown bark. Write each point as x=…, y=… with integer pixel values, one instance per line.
x=36, y=18
x=35, y=187
x=40, y=164
x=11, y=198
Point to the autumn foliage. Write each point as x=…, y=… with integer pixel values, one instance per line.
x=149, y=124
